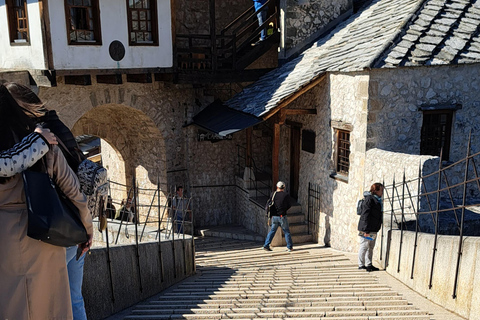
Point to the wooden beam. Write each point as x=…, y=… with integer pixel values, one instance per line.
x=285, y=102
x=300, y=111
x=46, y=34
x=275, y=152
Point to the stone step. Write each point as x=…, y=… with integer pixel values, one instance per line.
x=243, y=282
x=298, y=228
x=296, y=217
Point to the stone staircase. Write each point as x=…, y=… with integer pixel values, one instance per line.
x=238, y=280
x=296, y=218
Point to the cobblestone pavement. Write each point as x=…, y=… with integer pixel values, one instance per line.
x=236, y=279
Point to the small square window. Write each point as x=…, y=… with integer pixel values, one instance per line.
x=436, y=133
x=308, y=141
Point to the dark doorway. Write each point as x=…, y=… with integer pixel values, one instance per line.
x=294, y=160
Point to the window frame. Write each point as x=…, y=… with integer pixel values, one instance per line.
x=426, y=140
x=339, y=146
x=154, y=22
x=97, y=32
x=13, y=22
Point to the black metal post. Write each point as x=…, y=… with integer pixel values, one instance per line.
x=402, y=221
x=135, y=193
x=417, y=214
x=436, y=218
x=389, y=241
x=160, y=218
x=460, y=243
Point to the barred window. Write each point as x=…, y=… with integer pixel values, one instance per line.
x=142, y=22
x=83, y=21
x=18, y=21
x=436, y=133
x=343, y=151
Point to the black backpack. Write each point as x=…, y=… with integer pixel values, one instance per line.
x=359, y=206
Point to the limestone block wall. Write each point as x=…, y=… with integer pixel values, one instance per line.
x=385, y=167
x=248, y=214
x=466, y=303
x=341, y=98
x=395, y=120
x=212, y=168
x=304, y=20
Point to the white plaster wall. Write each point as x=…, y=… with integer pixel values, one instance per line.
x=21, y=57
x=113, y=20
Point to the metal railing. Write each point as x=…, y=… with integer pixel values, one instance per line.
x=401, y=201
x=152, y=211
x=221, y=51
x=262, y=180
x=313, y=206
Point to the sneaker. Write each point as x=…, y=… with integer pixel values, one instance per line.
x=289, y=249
x=371, y=268
x=362, y=267
x=267, y=249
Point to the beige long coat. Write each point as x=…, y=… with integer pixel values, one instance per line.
x=33, y=274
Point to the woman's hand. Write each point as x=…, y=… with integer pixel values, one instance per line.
x=47, y=134
x=86, y=245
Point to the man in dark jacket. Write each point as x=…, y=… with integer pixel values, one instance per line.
x=370, y=222
x=281, y=200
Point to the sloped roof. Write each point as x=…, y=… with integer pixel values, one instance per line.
x=444, y=32
x=386, y=33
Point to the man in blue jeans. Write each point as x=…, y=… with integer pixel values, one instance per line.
x=278, y=212
x=261, y=16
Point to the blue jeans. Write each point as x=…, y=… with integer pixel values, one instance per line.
x=261, y=16
x=279, y=222
x=75, y=279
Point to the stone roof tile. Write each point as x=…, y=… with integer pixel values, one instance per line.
x=389, y=32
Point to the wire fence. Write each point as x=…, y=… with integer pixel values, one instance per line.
x=431, y=202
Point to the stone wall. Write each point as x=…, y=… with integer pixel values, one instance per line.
x=306, y=20
x=212, y=168
x=343, y=99
x=396, y=95
x=467, y=301
x=143, y=131
x=129, y=284
x=249, y=214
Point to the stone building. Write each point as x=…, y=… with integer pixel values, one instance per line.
x=134, y=73
x=376, y=97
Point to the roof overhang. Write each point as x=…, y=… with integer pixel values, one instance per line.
x=222, y=120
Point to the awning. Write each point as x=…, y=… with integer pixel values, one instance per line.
x=222, y=120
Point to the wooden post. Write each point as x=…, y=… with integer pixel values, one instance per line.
x=248, y=160
x=213, y=35
x=275, y=152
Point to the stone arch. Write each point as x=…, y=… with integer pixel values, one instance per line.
x=135, y=140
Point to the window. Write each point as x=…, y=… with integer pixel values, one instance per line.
x=142, y=22
x=18, y=20
x=343, y=152
x=436, y=132
x=83, y=21
x=308, y=141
